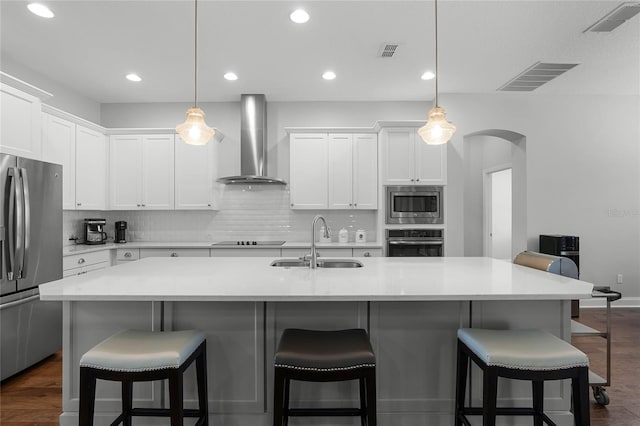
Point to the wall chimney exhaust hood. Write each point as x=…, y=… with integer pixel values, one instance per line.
x=253, y=143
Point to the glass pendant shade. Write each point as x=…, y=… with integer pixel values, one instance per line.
x=437, y=130
x=194, y=130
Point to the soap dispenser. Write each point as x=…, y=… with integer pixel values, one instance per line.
x=343, y=236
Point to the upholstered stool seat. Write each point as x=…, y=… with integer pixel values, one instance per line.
x=135, y=356
x=325, y=356
x=534, y=355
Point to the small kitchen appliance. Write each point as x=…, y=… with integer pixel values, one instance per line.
x=121, y=234
x=94, y=231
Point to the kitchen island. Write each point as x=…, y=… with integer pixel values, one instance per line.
x=411, y=307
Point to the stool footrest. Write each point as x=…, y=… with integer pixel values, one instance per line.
x=325, y=412
x=508, y=411
x=161, y=412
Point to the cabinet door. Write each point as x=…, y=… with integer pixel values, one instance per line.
x=59, y=146
x=308, y=177
x=91, y=169
x=399, y=164
x=174, y=252
x=365, y=171
x=194, y=176
x=21, y=117
x=125, y=172
x=157, y=172
x=431, y=163
x=340, y=171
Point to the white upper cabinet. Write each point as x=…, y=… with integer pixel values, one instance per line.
x=21, y=129
x=353, y=171
x=59, y=146
x=410, y=161
x=195, y=174
x=91, y=169
x=308, y=181
x=142, y=172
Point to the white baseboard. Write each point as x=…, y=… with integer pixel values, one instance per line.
x=600, y=302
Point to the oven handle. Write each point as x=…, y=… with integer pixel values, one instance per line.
x=415, y=243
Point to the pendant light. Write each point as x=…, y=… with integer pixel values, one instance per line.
x=194, y=130
x=437, y=130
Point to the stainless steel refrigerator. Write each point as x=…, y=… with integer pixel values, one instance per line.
x=30, y=254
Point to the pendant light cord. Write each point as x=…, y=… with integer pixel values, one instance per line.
x=436, y=28
x=195, y=72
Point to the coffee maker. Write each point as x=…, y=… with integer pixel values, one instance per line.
x=121, y=235
x=94, y=231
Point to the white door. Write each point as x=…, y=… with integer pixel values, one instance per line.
x=340, y=171
x=365, y=171
x=91, y=169
x=498, y=200
x=194, y=177
x=399, y=162
x=21, y=117
x=431, y=163
x=157, y=172
x=308, y=171
x=59, y=146
x=126, y=172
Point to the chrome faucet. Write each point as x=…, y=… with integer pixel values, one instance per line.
x=313, y=261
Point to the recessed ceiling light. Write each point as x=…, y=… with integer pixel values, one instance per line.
x=133, y=77
x=230, y=76
x=428, y=75
x=329, y=75
x=40, y=10
x=299, y=16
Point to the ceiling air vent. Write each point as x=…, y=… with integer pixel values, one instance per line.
x=615, y=18
x=535, y=76
x=388, y=50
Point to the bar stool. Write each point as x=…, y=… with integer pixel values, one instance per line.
x=533, y=355
x=138, y=356
x=325, y=356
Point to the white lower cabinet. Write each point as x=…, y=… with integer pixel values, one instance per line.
x=79, y=264
x=322, y=252
x=245, y=252
x=367, y=252
x=174, y=252
x=127, y=255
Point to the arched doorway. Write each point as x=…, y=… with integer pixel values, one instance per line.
x=485, y=153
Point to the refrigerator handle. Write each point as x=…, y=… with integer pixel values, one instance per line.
x=11, y=230
x=27, y=224
x=19, y=256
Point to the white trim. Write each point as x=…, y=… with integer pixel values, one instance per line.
x=16, y=83
x=290, y=130
x=73, y=118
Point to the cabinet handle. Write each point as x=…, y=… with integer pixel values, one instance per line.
x=127, y=254
x=81, y=261
x=83, y=272
x=350, y=205
x=138, y=205
x=367, y=254
x=355, y=204
x=291, y=204
x=413, y=180
x=174, y=254
x=208, y=205
x=78, y=204
x=144, y=205
x=417, y=180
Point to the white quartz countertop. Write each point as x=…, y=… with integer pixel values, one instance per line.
x=252, y=279
x=85, y=248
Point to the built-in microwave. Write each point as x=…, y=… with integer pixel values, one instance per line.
x=414, y=204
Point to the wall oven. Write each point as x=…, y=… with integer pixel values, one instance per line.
x=414, y=242
x=414, y=204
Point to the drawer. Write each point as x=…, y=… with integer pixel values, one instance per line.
x=84, y=269
x=85, y=259
x=322, y=252
x=245, y=252
x=367, y=252
x=171, y=252
x=127, y=254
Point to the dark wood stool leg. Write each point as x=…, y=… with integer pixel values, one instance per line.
x=87, y=396
x=127, y=402
x=278, y=397
x=363, y=401
x=175, y=397
x=285, y=409
x=461, y=384
x=580, y=397
x=372, y=413
x=537, y=388
x=489, y=397
x=201, y=374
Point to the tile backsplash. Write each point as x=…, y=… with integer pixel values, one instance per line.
x=247, y=212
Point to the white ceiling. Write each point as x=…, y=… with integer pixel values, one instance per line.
x=90, y=45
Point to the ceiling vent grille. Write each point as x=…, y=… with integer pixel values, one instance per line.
x=615, y=18
x=535, y=76
x=388, y=50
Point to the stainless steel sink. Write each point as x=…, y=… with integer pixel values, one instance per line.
x=322, y=263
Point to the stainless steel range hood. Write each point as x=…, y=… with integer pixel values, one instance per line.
x=253, y=143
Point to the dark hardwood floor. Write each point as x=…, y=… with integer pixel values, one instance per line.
x=34, y=398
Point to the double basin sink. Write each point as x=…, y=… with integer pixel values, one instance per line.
x=322, y=263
